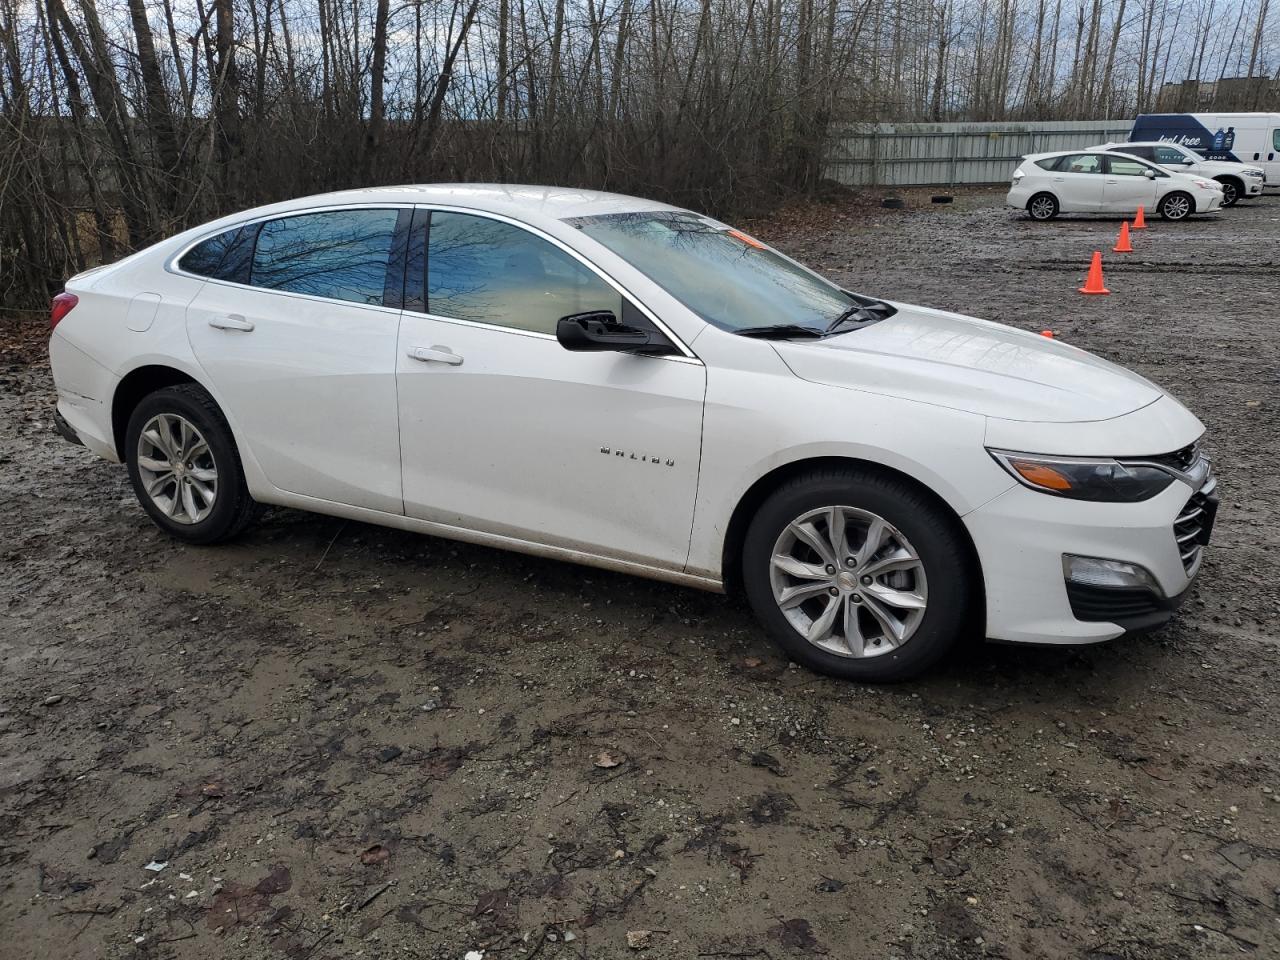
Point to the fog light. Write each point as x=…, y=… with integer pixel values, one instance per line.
x=1113, y=574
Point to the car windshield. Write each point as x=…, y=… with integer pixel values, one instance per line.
x=731, y=280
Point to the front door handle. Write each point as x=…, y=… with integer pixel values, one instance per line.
x=232, y=321
x=435, y=354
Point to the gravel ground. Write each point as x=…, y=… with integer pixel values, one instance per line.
x=346, y=741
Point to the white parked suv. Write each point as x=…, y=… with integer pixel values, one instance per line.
x=612, y=381
x=1239, y=180
x=1100, y=181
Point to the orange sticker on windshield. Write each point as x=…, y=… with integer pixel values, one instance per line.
x=748, y=240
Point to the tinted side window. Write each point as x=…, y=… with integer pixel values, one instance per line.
x=1275, y=139
x=1170, y=155
x=339, y=254
x=492, y=272
x=1048, y=163
x=1146, y=153
x=224, y=257
x=1081, y=163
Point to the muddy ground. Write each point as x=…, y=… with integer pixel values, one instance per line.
x=344, y=741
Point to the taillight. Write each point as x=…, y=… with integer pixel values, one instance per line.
x=62, y=304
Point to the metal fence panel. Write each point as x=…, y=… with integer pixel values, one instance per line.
x=918, y=154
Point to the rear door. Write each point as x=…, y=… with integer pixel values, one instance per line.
x=301, y=351
x=1077, y=180
x=1126, y=185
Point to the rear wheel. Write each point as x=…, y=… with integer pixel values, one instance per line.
x=1231, y=191
x=858, y=575
x=184, y=466
x=1177, y=206
x=1043, y=206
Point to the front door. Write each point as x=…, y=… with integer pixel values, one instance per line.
x=1127, y=187
x=303, y=355
x=504, y=431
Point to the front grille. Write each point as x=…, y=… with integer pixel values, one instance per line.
x=1194, y=525
x=1181, y=460
x=1112, y=604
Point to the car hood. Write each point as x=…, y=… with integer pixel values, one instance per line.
x=972, y=365
x=1216, y=167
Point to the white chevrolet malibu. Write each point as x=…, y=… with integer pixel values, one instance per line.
x=616, y=382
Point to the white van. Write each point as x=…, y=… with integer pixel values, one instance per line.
x=1242, y=137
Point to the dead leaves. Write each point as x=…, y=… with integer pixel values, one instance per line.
x=375, y=855
x=796, y=934
x=237, y=904
x=606, y=760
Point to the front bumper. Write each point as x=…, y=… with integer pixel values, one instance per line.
x=64, y=429
x=1021, y=537
x=1207, y=202
x=1253, y=186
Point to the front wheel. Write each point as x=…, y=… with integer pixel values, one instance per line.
x=1230, y=192
x=184, y=466
x=1177, y=206
x=858, y=575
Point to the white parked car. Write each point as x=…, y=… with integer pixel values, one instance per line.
x=616, y=382
x=1099, y=181
x=1239, y=180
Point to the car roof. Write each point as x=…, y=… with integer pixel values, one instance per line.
x=1067, y=153
x=1145, y=143
x=538, y=206
x=521, y=201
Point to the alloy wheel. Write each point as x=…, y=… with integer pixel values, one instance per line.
x=1229, y=194
x=1175, y=208
x=848, y=581
x=1042, y=208
x=177, y=468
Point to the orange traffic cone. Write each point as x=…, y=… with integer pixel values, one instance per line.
x=1140, y=221
x=1123, y=245
x=1093, y=283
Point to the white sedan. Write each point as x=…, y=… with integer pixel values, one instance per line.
x=1100, y=181
x=616, y=382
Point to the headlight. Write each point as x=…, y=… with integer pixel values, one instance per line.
x=1100, y=479
x=1206, y=185
x=1253, y=173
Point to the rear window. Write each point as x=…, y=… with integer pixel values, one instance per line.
x=223, y=257
x=1080, y=163
x=1048, y=163
x=337, y=254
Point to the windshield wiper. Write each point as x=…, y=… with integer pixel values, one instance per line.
x=781, y=331
x=864, y=311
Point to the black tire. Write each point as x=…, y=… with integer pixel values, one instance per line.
x=1171, y=210
x=1232, y=191
x=233, y=509
x=935, y=534
x=1042, y=206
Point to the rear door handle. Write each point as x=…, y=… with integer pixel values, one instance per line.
x=435, y=355
x=1113, y=181
x=232, y=321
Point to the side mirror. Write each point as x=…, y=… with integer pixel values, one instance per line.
x=600, y=330
x=1148, y=173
